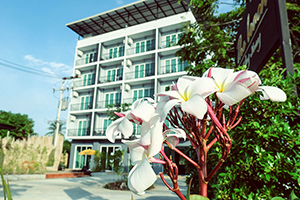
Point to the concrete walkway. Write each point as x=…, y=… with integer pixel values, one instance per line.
x=90, y=188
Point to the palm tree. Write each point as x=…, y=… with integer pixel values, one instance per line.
x=52, y=128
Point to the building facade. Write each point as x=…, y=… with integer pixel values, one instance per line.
x=124, y=54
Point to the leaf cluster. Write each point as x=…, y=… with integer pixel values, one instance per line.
x=23, y=124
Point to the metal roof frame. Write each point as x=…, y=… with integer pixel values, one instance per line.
x=136, y=13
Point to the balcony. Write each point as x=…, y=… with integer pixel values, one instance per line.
x=81, y=106
x=140, y=72
x=99, y=132
x=173, y=68
x=78, y=132
x=108, y=79
x=89, y=58
x=104, y=104
x=85, y=81
x=141, y=47
x=115, y=52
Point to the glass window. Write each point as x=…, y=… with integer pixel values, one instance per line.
x=148, y=47
x=89, y=80
x=137, y=48
x=142, y=71
x=151, y=92
x=136, y=72
x=86, y=58
x=113, y=75
x=168, y=66
x=115, y=52
x=173, y=40
x=141, y=94
x=179, y=65
x=121, y=51
x=146, y=93
x=148, y=70
x=111, y=100
x=87, y=100
x=142, y=47
x=79, y=128
x=173, y=65
x=110, y=53
x=84, y=80
x=134, y=95
x=84, y=129
x=82, y=103
x=106, y=100
x=108, y=75
x=179, y=36
x=168, y=38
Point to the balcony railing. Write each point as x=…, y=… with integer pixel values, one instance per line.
x=131, y=100
x=115, y=53
x=168, y=69
x=139, y=74
x=104, y=104
x=168, y=43
x=79, y=132
x=105, y=79
x=99, y=132
x=148, y=46
x=86, y=60
x=81, y=83
x=81, y=106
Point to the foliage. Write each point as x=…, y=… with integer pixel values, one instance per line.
x=52, y=128
x=67, y=146
x=263, y=162
x=117, y=160
x=51, y=158
x=23, y=124
x=6, y=188
x=111, y=109
x=99, y=161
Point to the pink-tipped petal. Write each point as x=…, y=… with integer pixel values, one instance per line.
x=144, y=111
x=234, y=94
x=137, y=152
x=203, y=86
x=113, y=130
x=156, y=160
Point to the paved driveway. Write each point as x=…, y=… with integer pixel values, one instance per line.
x=90, y=188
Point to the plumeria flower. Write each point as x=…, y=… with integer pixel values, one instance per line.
x=141, y=111
x=189, y=93
x=142, y=152
x=231, y=86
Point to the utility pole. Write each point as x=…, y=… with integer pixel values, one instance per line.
x=59, y=107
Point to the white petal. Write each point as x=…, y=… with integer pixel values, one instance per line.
x=272, y=93
x=113, y=130
x=221, y=74
x=145, y=110
x=203, y=86
x=141, y=177
x=196, y=106
x=173, y=140
x=126, y=128
x=178, y=132
x=182, y=84
x=235, y=93
x=172, y=94
x=137, y=152
x=156, y=139
x=167, y=107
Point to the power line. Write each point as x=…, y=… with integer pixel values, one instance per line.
x=27, y=69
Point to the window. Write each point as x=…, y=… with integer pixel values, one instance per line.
x=82, y=160
x=143, y=46
x=143, y=70
x=106, y=123
x=86, y=103
x=174, y=65
x=109, y=150
x=88, y=79
x=113, y=98
x=141, y=93
x=171, y=40
x=116, y=52
x=114, y=75
x=82, y=128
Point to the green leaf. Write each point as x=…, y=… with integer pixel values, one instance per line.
x=277, y=198
x=198, y=197
x=293, y=196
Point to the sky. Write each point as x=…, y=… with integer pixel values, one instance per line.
x=33, y=34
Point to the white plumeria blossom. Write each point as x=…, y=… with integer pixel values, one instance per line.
x=231, y=86
x=272, y=93
x=189, y=93
x=141, y=111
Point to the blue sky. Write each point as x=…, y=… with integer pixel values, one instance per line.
x=33, y=34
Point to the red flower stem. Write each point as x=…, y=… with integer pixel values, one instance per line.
x=211, y=143
x=209, y=132
x=238, y=121
x=237, y=111
x=183, y=155
x=220, y=163
x=202, y=171
x=165, y=182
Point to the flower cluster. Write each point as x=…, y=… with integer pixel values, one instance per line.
x=190, y=94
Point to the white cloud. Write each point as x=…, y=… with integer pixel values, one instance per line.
x=119, y=2
x=52, y=68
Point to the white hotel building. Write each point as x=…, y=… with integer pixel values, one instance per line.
x=123, y=55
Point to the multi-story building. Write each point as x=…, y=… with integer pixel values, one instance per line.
x=123, y=55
